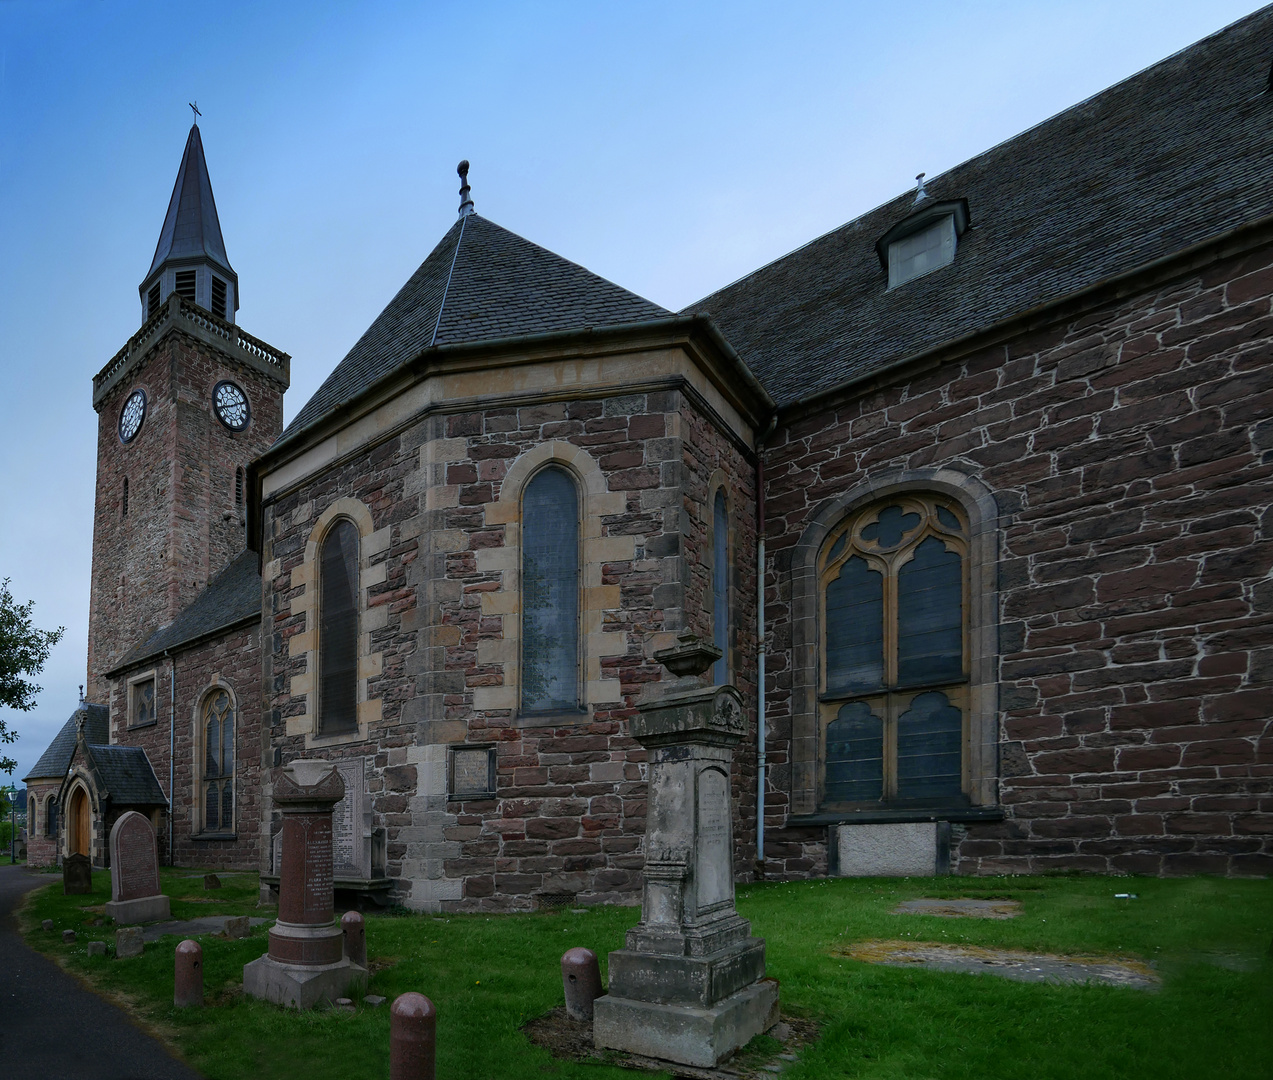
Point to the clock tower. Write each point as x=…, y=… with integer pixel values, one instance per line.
x=182, y=409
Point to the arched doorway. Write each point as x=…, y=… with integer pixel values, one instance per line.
x=79, y=820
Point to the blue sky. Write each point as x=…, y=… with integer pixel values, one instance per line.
x=670, y=147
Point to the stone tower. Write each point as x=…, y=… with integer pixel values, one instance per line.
x=183, y=408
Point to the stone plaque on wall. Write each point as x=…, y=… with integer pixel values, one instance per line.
x=351, y=824
x=472, y=773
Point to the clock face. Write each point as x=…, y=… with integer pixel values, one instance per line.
x=231, y=405
x=131, y=416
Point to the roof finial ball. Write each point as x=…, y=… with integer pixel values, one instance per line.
x=920, y=193
x=466, y=203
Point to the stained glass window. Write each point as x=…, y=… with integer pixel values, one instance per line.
x=143, y=703
x=894, y=667
x=218, y=762
x=720, y=587
x=338, y=631
x=550, y=593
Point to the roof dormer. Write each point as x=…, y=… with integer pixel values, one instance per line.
x=924, y=240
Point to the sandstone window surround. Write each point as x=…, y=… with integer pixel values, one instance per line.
x=820, y=552
x=720, y=546
x=50, y=817
x=214, y=768
x=595, y=642
x=307, y=577
x=141, y=700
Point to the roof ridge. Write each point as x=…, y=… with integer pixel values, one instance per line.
x=449, y=274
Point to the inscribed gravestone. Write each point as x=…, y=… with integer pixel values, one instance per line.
x=77, y=875
x=135, y=895
x=351, y=846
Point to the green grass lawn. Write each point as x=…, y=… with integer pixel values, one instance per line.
x=1208, y=938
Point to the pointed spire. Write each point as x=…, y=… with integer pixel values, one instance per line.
x=191, y=240
x=466, y=201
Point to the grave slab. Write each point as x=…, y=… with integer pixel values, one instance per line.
x=960, y=907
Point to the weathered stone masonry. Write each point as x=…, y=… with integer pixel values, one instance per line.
x=1130, y=452
x=445, y=495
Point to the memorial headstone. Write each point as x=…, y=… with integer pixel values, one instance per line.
x=77, y=875
x=238, y=926
x=135, y=896
x=690, y=985
x=211, y=881
x=305, y=964
x=97, y=948
x=68, y=937
x=351, y=824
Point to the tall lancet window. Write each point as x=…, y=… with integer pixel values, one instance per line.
x=720, y=586
x=894, y=698
x=218, y=762
x=550, y=593
x=338, y=632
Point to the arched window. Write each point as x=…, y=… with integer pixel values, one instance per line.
x=894, y=679
x=550, y=593
x=218, y=762
x=720, y=586
x=50, y=817
x=338, y=631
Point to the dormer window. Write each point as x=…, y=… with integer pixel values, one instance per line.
x=923, y=242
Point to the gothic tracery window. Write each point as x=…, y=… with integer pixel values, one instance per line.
x=894, y=696
x=550, y=594
x=338, y=631
x=218, y=762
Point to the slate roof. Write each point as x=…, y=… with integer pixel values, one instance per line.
x=232, y=596
x=126, y=775
x=488, y=283
x=191, y=226
x=57, y=757
x=1171, y=157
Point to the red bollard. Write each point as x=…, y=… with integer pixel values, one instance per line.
x=413, y=1036
x=581, y=980
x=355, y=931
x=188, y=981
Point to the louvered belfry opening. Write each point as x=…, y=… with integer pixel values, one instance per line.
x=894, y=694
x=338, y=631
x=218, y=297
x=550, y=593
x=218, y=762
x=152, y=300
x=185, y=285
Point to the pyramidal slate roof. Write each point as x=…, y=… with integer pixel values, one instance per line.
x=57, y=757
x=231, y=597
x=191, y=229
x=1171, y=157
x=480, y=283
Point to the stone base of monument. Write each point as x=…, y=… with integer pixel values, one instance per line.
x=686, y=1034
x=142, y=910
x=302, y=986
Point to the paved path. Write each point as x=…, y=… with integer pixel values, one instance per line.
x=53, y=1028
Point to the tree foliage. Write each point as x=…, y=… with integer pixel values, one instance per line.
x=24, y=650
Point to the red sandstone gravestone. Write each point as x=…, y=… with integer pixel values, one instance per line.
x=306, y=962
x=135, y=895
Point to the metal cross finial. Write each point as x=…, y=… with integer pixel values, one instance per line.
x=81, y=691
x=466, y=202
x=920, y=193
x=194, y=105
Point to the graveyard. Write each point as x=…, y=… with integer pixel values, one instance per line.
x=833, y=945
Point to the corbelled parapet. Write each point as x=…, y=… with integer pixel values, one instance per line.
x=690, y=985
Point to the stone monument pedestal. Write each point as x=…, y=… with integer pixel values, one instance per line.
x=690, y=985
x=306, y=963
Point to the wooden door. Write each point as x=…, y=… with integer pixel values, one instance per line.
x=80, y=823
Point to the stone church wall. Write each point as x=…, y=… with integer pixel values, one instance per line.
x=231, y=662
x=1130, y=452
x=440, y=619
x=41, y=849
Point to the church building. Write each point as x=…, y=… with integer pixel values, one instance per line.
x=972, y=493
